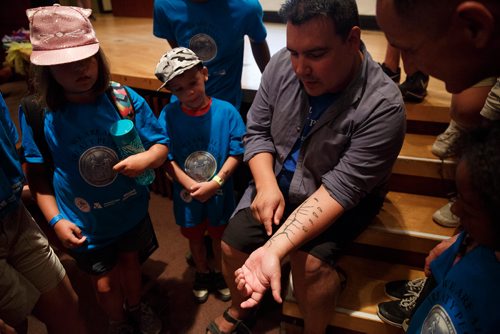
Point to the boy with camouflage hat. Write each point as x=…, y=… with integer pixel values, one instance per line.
x=205, y=136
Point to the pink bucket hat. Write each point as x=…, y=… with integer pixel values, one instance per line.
x=61, y=34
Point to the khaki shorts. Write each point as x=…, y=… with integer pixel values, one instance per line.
x=491, y=109
x=28, y=265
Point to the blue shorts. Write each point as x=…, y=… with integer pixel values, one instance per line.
x=141, y=239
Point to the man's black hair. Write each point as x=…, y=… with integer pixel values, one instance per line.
x=344, y=13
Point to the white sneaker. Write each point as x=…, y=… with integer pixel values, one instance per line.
x=443, y=145
x=445, y=217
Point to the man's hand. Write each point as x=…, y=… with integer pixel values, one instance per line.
x=436, y=251
x=203, y=191
x=268, y=206
x=70, y=235
x=261, y=270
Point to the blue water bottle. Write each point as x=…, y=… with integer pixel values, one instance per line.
x=129, y=143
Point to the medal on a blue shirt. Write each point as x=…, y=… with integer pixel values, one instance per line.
x=200, y=166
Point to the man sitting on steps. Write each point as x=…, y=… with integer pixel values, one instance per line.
x=322, y=135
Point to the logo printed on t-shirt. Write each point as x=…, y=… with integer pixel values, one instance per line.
x=204, y=46
x=82, y=204
x=96, y=166
x=438, y=321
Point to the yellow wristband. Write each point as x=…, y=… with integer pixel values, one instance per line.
x=219, y=180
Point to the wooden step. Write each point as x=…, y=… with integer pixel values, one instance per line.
x=418, y=171
x=426, y=119
x=416, y=159
x=357, y=306
x=405, y=223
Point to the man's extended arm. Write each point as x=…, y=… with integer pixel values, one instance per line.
x=262, y=268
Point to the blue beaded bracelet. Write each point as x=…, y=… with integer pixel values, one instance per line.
x=55, y=219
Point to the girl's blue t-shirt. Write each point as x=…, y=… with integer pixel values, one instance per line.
x=465, y=299
x=103, y=203
x=11, y=174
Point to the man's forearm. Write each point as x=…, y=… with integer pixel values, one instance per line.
x=262, y=168
x=312, y=217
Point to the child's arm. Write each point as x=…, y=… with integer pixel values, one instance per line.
x=179, y=175
x=436, y=251
x=39, y=182
x=136, y=164
x=203, y=191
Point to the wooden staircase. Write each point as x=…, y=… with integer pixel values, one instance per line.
x=395, y=245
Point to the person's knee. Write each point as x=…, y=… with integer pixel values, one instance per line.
x=227, y=250
x=58, y=306
x=315, y=268
x=64, y=292
x=105, y=285
x=313, y=271
x=232, y=258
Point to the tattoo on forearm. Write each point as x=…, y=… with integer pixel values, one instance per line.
x=302, y=218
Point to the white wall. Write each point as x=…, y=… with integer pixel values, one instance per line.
x=365, y=7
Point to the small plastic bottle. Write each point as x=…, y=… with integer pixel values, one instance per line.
x=129, y=143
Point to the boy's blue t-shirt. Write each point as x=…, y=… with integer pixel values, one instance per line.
x=11, y=173
x=104, y=204
x=216, y=134
x=215, y=31
x=465, y=299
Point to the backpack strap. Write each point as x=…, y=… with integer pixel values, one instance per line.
x=120, y=97
x=34, y=114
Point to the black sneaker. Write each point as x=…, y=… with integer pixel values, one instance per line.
x=399, y=289
x=395, y=76
x=396, y=312
x=220, y=286
x=201, y=286
x=414, y=89
x=144, y=319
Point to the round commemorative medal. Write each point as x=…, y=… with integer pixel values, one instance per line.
x=200, y=166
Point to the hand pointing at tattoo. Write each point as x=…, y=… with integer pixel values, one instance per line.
x=268, y=206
